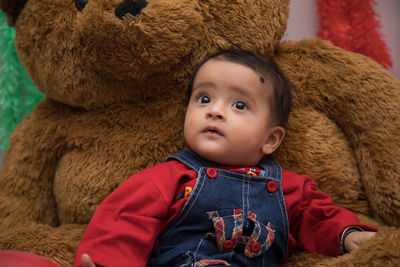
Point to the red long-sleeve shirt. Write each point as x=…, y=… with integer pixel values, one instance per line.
x=125, y=227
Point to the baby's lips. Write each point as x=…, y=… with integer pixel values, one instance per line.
x=213, y=130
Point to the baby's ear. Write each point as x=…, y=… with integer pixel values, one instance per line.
x=12, y=8
x=273, y=138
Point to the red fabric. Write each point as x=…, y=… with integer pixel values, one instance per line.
x=13, y=258
x=125, y=227
x=352, y=25
x=315, y=223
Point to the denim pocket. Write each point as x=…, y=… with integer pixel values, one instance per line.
x=229, y=232
x=261, y=238
x=228, y=227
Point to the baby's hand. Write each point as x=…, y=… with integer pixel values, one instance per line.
x=87, y=261
x=354, y=239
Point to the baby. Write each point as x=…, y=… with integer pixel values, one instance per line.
x=221, y=203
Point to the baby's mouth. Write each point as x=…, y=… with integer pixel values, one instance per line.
x=213, y=130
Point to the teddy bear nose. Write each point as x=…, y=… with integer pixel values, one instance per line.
x=133, y=7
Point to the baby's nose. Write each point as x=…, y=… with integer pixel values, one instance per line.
x=216, y=112
x=215, y=115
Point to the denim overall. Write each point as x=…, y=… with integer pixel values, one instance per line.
x=230, y=219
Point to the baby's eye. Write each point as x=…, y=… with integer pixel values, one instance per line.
x=203, y=99
x=240, y=105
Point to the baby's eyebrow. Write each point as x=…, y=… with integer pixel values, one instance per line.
x=242, y=91
x=203, y=84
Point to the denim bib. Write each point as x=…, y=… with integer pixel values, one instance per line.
x=230, y=219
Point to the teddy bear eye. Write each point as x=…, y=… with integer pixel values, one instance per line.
x=80, y=4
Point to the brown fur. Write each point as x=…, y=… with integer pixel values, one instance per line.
x=116, y=101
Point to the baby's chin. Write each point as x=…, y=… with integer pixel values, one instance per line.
x=221, y=158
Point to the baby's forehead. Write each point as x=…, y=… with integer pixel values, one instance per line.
x=260, y=70
x=261, y=74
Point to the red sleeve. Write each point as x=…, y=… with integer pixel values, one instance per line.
x=315, y=223
x=123, y=230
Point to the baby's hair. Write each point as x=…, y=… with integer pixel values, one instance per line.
x=268, y=70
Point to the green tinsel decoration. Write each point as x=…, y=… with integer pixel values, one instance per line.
x=18, y=95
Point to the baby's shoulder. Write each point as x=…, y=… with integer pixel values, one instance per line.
x=170, y=167
x=292, y=179
x=169, y=173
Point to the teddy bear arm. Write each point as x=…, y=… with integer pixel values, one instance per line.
x=26, y=192
x=308, y=150
x=26, y=179
x=28, y=211
x=363, y=99
x=381, y=250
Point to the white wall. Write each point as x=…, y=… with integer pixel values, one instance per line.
x=304, y=23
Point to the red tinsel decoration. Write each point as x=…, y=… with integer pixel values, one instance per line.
x=351, y=25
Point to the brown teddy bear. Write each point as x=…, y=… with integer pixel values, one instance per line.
x=115, y=74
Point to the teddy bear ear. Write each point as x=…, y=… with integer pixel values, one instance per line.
x=12, y=8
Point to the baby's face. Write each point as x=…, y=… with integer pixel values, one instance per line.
x=227, y=120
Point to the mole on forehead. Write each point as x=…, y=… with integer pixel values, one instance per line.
x=262, y=79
